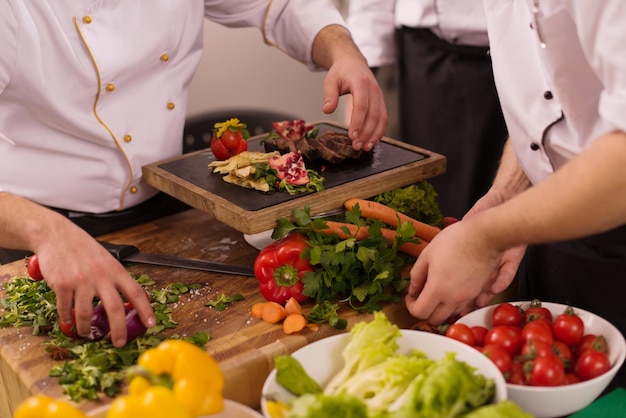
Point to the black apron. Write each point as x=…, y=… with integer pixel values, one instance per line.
x=448, y=104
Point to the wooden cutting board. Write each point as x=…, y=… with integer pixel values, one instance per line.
x=392, y=164
x=245, y=348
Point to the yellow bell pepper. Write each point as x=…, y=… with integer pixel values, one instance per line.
x=192, y=374
x=43, y=406
x=154, y=402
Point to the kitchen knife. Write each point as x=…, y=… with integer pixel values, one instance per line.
x=124, y=252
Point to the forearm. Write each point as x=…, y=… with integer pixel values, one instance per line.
x=510, y=179
x=24, y=224
x=586, y=196
x=334, y=42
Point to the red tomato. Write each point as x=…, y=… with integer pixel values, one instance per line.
x=592, y=342
x=32, y=267
x=506, y=336
x=516, y=375
x=235, y=144
x=128, y=305
x=219, y=150
x=536, y=348
x=537, y=330
x=536, y=311
x=563, y=352
x=461, y=332
x=568, y=327
x=591, y=363
x=570, y=379
x=231, y=139
x=69, y=328
x=479, y=334
x=545, y=371
x=506, y=314
x=499, y=356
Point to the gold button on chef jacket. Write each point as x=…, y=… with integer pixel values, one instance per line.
x=78, y=79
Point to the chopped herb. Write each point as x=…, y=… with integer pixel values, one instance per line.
x=223, y=301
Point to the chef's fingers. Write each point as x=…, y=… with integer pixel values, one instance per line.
x=116, y=314
x=65, y=300
x=83, y=308
x=140, y=301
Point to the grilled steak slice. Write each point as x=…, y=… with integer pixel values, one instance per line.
x=340, y=144
x=332, y=147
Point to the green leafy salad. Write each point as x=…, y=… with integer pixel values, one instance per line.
x=376, y=381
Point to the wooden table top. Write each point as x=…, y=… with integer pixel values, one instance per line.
x=244, y=347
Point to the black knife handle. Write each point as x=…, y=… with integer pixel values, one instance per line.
x=120, y=251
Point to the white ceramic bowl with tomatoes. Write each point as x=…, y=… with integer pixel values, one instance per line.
x=564, y=399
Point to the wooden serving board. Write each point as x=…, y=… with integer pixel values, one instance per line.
x=188, y=178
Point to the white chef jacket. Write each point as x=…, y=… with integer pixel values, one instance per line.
x=557, y=99
x=372, y=23
x=90, y=91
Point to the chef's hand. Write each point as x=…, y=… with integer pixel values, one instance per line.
x=456, y=267
x=77, y=269
x=504, y=275
x=348, y=73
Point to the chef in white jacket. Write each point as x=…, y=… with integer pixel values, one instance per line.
x=560, y=192
x=90, y=91
x=447, y=97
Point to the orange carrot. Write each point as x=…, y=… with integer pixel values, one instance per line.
x=362, y=232
x=292, y=306
x=392, y=217
x=354, y=231
x=409, y=248
x=257, y=310
x=294, y=323
x=273, y=313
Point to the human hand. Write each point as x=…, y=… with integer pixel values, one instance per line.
x=77, y=269
x=452, y=271
x=368, y=118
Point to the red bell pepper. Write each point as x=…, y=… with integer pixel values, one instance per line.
x=280, y=267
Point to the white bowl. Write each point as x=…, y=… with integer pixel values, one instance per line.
x=544, y=402
x=231, y=409
x=322, y=360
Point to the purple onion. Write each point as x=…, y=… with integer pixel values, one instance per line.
x=100, y=325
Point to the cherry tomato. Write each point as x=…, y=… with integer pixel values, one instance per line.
x=479, y=334
x=128, y=305
x=536, y=348
x=537, y=330
x=592, y=342
x=570, y=379
x=232, y=142
x=461, y=332
x=231, y=139
x=506, y=314
x=516, y=375
x=32, y=267
x=591, y=363
x=545, y=371
x=499, y=356
x=563, y=352
x=509, y=337
x=568, y=327
x=536, y=311
x=69, y=328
